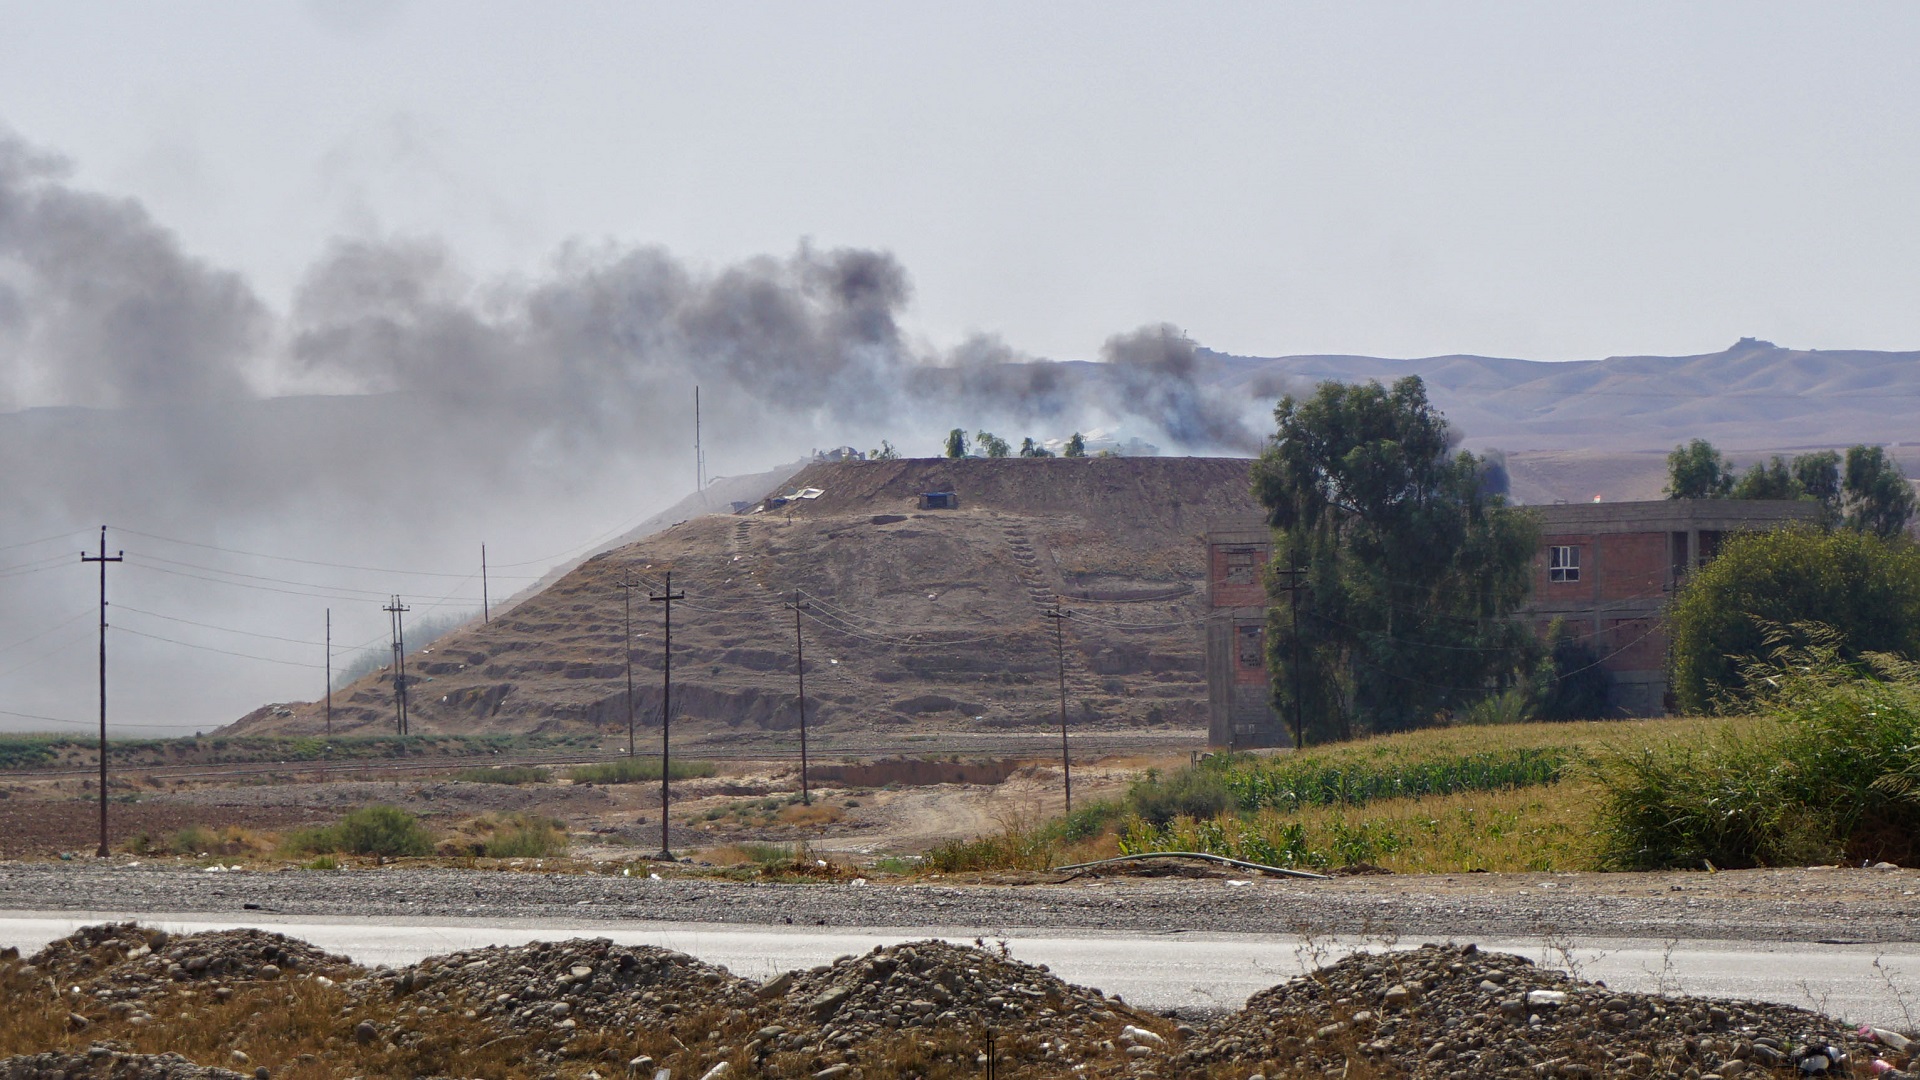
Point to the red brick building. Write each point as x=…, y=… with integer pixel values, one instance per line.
x=1605, y=570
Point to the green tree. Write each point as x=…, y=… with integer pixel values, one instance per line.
x=957, y=443
x=1413, y=572
x=1697, y=471
x=1865, y=589
x=1773, y=480
x=885, y=453
x=1576, y=686
x=1076, y=446
x=1029, y=448
x=994, y=445
x=1818, y=474
x=1877, y=497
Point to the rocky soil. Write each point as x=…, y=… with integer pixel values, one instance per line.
x=1746, y=905
x=129, y=1002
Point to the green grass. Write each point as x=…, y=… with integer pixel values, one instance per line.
x=1495, y=797
x=634, y=770
x=370, y=830
x=1289, y=784
x=504, y=774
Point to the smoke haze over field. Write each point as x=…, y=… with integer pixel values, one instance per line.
x=401, y=412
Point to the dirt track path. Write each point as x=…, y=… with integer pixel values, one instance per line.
x=1854, y=906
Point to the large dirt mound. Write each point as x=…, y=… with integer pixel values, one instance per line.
x=917, y=617
x=582, y=1009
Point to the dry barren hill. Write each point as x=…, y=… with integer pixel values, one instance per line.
x=917, y=618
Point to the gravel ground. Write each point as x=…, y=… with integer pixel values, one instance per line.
x=1826, y=905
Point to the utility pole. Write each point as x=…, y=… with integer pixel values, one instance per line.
x=103, y=559
x=626, y=651
x=1060, y=618
x=666, y=708
x=699, y=453
x=1296, y=581
x=486, y=607
x=800, y=669
x=394, y=610
x=329, y=673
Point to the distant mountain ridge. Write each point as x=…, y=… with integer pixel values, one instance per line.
x=1754, y=395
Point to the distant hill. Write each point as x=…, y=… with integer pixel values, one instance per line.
x=1751, y=396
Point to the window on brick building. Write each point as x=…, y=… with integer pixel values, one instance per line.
x=1563, y=563
x=1251, y=641
x=1240, y=566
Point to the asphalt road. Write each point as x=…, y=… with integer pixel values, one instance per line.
x=1187, y=971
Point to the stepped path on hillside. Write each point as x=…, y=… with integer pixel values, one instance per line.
x=917, y=620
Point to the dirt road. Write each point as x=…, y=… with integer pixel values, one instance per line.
x=1803, y=906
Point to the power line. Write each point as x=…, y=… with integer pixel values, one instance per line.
x=307, y=562
x=211, y=649
x=222, y=629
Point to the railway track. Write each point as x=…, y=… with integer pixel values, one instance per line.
x=970, y=744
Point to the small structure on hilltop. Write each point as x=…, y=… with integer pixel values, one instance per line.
x=939, y=500
x=1605, y=570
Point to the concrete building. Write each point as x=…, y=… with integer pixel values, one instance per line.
x=1604, y=569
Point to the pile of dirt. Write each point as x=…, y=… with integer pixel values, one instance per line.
x=562, y=987
x=1447, y=1011
x=128, y=963
x=926, y=1008
x=850, y=1012
x=908, y=606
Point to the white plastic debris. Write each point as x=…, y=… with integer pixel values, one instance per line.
x=1546, y=997
x=653, y=877
x=858, y=881
x=1236, y=883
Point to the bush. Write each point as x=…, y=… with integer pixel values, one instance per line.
x=1829, y=772
x=527, y=836
x=193, y=840
x=634, y=770
x=1191, y=793
x=1865, y=590
x=370, y=830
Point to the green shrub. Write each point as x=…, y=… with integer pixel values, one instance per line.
x=634, y=770
x=1864, y=590
x=1016, y=848
x=1193, y=793
x=1830, y=771
x=527, y=836
x=193, y=840
x=370, y=830
x=504, y=774
x=324, y=862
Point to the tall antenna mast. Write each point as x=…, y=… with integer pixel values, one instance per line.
x=699, y=454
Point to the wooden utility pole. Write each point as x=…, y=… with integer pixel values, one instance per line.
x=800, y=670
x=486, y=607
x=329, y=673
x=666, y=599
x=626, y=651
x=1060, y=618
x=1296, y=581
x=394, y=610
x=103, y=559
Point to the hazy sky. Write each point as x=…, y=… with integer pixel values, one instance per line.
x=1552, y=181
x=544, y=223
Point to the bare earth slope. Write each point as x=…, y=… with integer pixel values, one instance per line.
x=916, y=619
